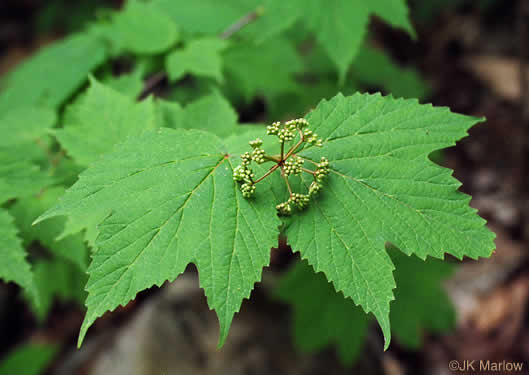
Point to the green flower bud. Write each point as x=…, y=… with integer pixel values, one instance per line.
x=248, y=189
x=256, y=143
x=314, y=188
x=273, y=129
x=299, y=200
x=284, y=209
x=246, y=159
x=258, y=155
x=293, y=166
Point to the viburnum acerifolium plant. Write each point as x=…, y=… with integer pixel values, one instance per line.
x=287, y=162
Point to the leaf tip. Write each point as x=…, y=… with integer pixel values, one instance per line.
x=82, y=332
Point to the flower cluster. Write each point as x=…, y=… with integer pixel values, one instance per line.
x=293, y=166
x=312, y=138
x=287, y=162
x=322, y=169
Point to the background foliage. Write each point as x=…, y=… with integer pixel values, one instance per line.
x=197, y=65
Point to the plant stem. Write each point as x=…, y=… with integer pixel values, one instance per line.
x=272, y=158
x=282, y=151
x=241, y=22
x=288, y=185
x=267, y=173
x=295, y=147
x=308, y=171
x=310, y=161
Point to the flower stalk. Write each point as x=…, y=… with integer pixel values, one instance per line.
x=287, y=162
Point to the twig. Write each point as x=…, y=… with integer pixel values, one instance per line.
x=310, y=161
x=242, y=22
x=267, y=173
x=308, y=171
x=151, y=83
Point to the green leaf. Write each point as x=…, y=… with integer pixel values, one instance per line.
x=374, y=68
x=170, y=114
x=19, y=177
x=200, y=57
x=141, y=28
x=205, y=16
x=394, y=12
x=53, y=74
x=323, y=317
x=267, y=69
x=26, y=210
x=25, y=125
x=30, y=359
x=14, y=266
x=178, y=204
x=129, y=84
x=57, y=279
x=213, y=113
x=339, y=26
x=274, y=18
x=102, y=118
x=383, y=188
x=419, y=285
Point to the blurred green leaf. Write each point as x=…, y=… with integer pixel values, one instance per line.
x=14, y=266
x=29, y=359
x=323, y=317
x=141, y=28
x=205, y=16
x=26, y=210
x=200, y=57
x=57, y=279
x=100, y=119
x=53, y=74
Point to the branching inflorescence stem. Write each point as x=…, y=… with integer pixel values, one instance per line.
x=288, y=163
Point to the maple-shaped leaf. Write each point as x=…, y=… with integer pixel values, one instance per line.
x=100, y=119
x=323, y=317
x=14, y=266
x=53, y=74
x=178, y=204
x=383, y=188
x=200, y=57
